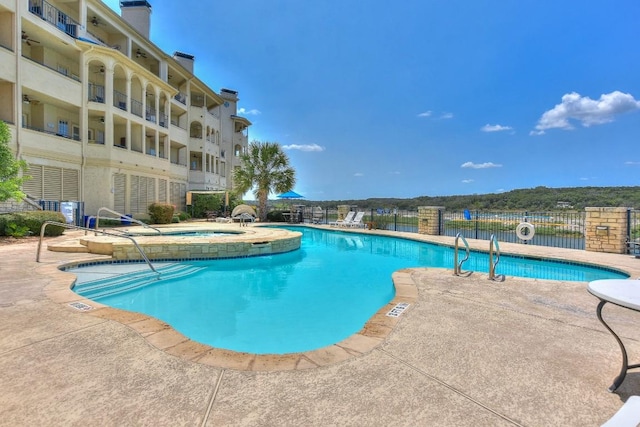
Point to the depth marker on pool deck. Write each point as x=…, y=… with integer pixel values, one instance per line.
x=80, y=306
x=398, y=309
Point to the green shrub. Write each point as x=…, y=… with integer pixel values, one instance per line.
x=183, y=216
x=161, y=213
x=20, y=224
x=35, y=219
x=275, y=216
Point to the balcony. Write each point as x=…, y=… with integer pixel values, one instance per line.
x=150, y=114
x=96, y=93
x=136, y=107
x=61, y=134
x=54, y=16
x=181, y=98
x=120, y=100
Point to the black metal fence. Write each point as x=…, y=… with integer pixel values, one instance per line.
x=560, y=229
x=633, y=237
x=557, y=229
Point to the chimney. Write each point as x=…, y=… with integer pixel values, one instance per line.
x=138, y=15
x=185, y=60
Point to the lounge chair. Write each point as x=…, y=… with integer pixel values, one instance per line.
x=356, y=222
x=347, y=219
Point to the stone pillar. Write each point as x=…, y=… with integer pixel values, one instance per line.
x=342, y=211
x=606, y=230
x=429, y=219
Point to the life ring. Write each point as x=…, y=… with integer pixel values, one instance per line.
x=529, y=234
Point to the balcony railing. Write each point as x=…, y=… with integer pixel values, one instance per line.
x=120, y=100
x=61, y=70
x=96, y=93
x=54, y=16
x=197, y=100
x=150, y=114
x=136, y=107
x=164, y=120
x=181, y=98
x=60, y=134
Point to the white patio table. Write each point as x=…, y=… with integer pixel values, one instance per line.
x=623, y=293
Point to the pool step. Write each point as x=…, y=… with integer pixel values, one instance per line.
x=126, y=282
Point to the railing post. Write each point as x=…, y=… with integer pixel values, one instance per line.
x=395, y=219
x=476, y=224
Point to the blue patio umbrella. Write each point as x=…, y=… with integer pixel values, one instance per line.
x=290, y=195
x=293, y=216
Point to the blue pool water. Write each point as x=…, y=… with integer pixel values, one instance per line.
x=293, y=302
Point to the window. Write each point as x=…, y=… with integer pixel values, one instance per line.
x=90, y=135
x=75, y=132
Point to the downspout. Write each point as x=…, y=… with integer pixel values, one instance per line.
x=17, y=89
x=85, y=121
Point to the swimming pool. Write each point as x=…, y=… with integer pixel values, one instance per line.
x=293, y=302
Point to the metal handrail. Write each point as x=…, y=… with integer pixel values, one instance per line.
x=128, y=218
x=457, y=266
x=493, y=244
x=77, y=227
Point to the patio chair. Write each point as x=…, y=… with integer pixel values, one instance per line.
x=347, y=219
x=356, y=222
x=627, y=416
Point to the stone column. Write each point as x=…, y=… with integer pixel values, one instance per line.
x=429, y=219
x=606, y=230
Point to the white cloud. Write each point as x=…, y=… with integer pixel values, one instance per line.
x=304, y=147
x=494, y=128
x=467, y=181
x=585, y=110
x=358, y=174
x=446, y=116
x=480, y=165
x=252, y=112
x=632, y=163
x=425, y=114
x=394, y=173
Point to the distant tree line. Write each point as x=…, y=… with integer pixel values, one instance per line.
x=531, y=199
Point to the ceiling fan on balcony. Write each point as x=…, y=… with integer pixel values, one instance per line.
x=95, y=22
x=140, y=54
x=28, y=40
x=26, y=99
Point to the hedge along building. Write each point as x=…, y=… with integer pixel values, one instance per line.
x=103, y=116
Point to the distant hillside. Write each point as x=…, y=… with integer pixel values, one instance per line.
x=534, y=199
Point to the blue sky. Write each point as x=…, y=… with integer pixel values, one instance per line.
x=423, y=97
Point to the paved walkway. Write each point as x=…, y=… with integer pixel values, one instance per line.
x=468, y=352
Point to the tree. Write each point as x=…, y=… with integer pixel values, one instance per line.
x=10, y=168
x=265, y=169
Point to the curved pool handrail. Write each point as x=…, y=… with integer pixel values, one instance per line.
x=127, y=218
x=77, y=227
x=457, y=266
x=494, y=248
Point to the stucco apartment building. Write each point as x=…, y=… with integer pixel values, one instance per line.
x=103, y=116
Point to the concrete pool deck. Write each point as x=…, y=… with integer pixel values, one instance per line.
x=468, y=351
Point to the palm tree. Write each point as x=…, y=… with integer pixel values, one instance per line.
x=265, y=168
